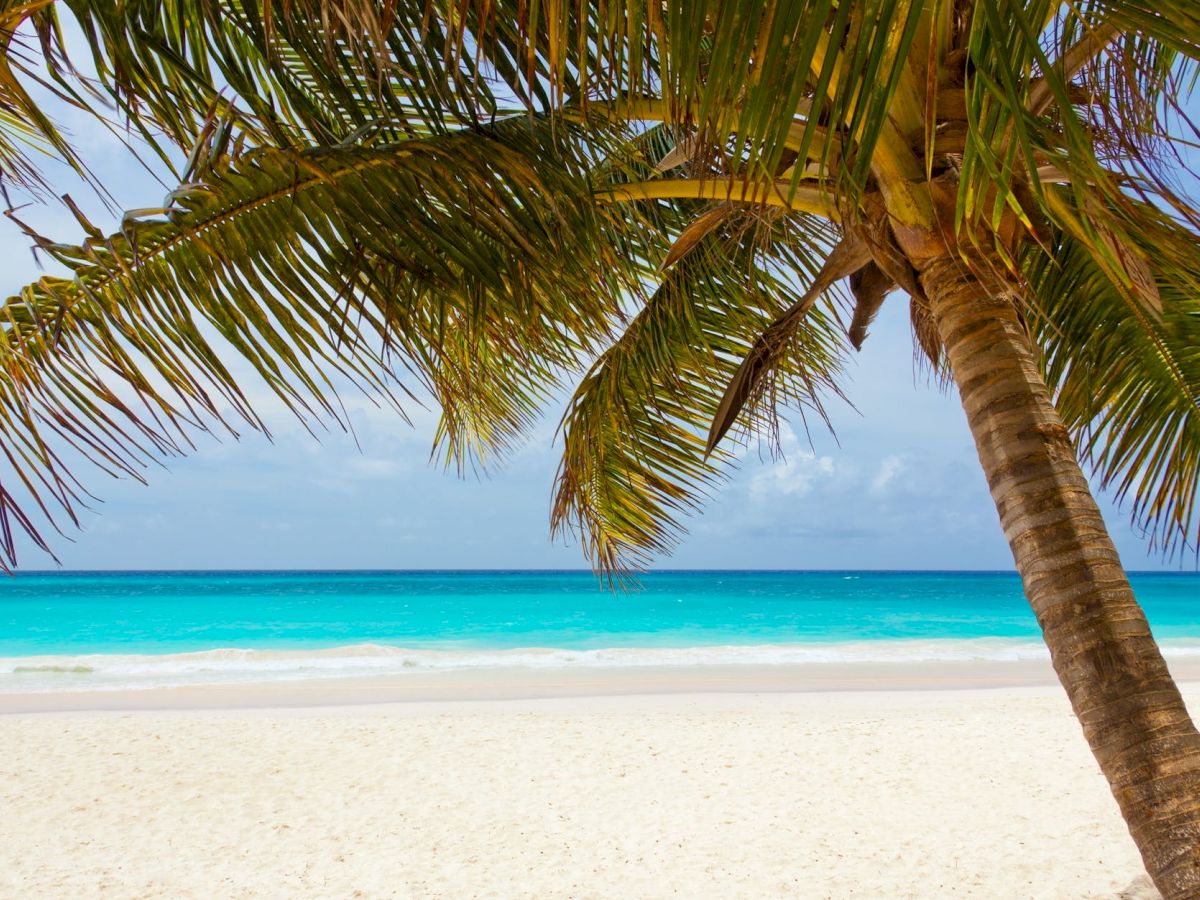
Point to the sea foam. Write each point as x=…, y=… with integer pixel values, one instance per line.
x=234, y=665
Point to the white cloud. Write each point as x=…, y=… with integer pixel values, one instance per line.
x=888, y=470
x=795, y=473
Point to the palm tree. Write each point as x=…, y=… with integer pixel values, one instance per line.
x=490, y=196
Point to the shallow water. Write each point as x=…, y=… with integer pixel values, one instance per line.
x=90, y=630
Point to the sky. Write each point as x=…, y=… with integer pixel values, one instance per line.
x=899, y=487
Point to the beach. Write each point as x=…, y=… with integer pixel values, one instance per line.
x=733, y=783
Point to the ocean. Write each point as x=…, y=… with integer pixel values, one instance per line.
x=105, y=630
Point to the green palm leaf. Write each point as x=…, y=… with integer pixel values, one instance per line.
x=634, y=454
x=478, y=261
x=829, y=107
x=1127, y=382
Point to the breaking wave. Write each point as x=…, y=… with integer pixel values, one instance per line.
x=231, y=665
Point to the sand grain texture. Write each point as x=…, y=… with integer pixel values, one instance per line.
x=865, y=794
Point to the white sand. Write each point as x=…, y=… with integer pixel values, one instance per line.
x=976, y=793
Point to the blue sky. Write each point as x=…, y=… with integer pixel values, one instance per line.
x=899, y=488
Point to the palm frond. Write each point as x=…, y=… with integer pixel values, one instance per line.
x=1081, y=95
x=285, y=73
x=441, y=255
x=28, y=133
x=1128, y=384
x=749, y=80
x=308, y=71
x=634, y=458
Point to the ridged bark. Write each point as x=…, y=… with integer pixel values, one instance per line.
x=1100, y=642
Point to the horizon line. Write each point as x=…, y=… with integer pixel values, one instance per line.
x=552, y=570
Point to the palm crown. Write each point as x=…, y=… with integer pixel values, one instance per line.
x=489, y=196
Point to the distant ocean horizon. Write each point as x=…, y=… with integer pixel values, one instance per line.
x=75, y=630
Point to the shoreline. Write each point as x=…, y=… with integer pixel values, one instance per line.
x=522, y=684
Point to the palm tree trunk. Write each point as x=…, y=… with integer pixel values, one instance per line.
x=1100, y=642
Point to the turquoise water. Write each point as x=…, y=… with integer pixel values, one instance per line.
x=284, y=624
